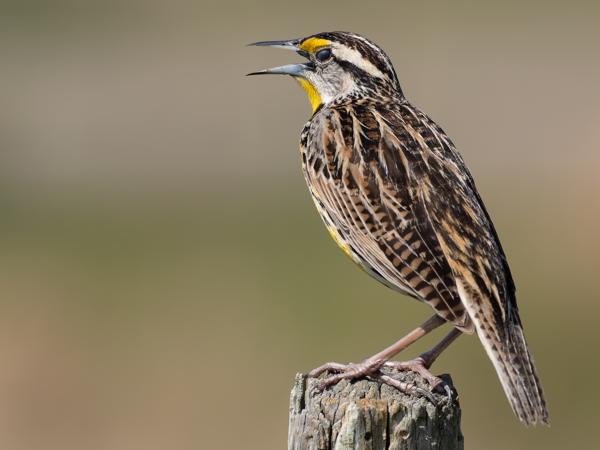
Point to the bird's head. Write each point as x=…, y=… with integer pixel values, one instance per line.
x=340, y=65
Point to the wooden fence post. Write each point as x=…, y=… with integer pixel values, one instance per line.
x=367, y=415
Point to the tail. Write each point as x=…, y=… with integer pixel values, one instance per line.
x=515, y=367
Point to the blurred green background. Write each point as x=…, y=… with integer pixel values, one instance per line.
x=163, y=271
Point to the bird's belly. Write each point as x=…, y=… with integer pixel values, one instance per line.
x=351, y=253
x=335, y=234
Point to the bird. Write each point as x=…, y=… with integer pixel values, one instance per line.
x=396, y=196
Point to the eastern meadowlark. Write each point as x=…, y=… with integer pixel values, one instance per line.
x=397, y=197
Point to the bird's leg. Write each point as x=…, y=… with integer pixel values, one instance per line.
x=423, y=362
x=371, y=366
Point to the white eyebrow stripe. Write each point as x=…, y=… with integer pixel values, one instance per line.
x=377, y=50
x=354, y=57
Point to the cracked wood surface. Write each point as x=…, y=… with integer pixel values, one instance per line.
x=368, y=415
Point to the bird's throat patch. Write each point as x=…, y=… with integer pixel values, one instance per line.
x=313, y=95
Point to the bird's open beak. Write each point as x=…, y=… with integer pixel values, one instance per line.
x=295, y=70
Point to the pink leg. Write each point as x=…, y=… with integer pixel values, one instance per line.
x=423, y=362
x=372, y=365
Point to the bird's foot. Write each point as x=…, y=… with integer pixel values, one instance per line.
x=350, y=371
x=371, y=369
x=420, y=365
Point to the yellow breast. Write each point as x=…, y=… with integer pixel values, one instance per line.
x=339, y=241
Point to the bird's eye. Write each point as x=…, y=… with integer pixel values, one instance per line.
x=323, y=55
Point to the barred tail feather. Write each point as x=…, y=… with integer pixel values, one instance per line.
x=506, y=347
x=517, y=373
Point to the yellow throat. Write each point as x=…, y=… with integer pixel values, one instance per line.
x=313, y=95
x=311, y=46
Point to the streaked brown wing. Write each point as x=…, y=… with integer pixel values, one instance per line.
x=363, y=191
x=446, y=201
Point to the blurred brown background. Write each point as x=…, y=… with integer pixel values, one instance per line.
x=161, y=259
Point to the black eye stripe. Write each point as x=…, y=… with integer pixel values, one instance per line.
x=323, y=55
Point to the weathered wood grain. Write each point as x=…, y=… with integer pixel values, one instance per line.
x=367, y=415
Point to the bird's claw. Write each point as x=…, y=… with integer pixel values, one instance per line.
x=407, y=388
x=418, y=365
x=372, y=370
x=344, y=372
